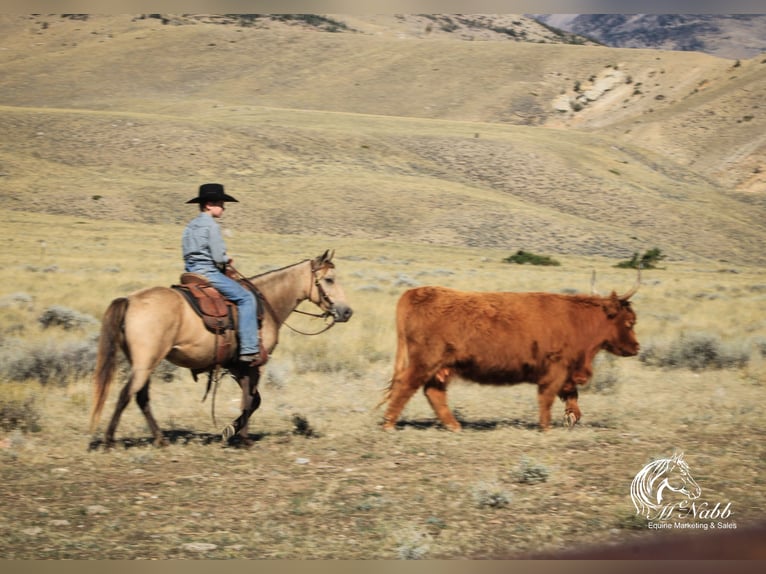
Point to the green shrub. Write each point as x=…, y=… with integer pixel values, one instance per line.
x=524, y=257
x=648, y=260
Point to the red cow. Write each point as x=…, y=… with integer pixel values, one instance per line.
x=504, y=338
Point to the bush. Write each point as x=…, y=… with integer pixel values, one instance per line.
x=647, y=261
x=47, y=362
x=530, y=472
x=696, y=352
x=522, y=257
x=65, y=318
x=21, y=414
x=491, y=495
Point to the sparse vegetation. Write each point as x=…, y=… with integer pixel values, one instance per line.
x=522, y=257
x=491, y=495
x=648, y=260
x=530, y=472
x=380, y=161
x=698, y=351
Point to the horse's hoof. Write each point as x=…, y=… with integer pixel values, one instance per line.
x=570, y=420
x=228, y=432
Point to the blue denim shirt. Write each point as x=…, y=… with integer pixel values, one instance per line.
x=202, y=244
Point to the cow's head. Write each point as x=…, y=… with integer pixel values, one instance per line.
x=621, y=339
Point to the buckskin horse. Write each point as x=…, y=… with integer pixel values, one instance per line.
x=159, y=323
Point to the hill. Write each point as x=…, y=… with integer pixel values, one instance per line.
x=726, y=35
x=362, y=131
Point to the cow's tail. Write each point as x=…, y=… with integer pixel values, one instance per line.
x=110, y=340
x=400, y=363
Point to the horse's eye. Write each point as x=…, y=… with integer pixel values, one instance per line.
x=329, y=280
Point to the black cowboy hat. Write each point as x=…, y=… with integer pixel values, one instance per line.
x=211, y=192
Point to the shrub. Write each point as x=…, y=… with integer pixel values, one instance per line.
x=19, y=414
x=491, y=495
x=65, y=318
x=530, y=472
x=522, y=257
x=696, y=352
x=46, y=361
x=647, y=261
x=605, y=375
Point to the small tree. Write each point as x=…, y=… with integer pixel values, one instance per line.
x=648, y=260
x=521, y=257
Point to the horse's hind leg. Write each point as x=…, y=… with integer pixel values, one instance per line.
x=137, y=385
x=122, y=402
x=142, y=398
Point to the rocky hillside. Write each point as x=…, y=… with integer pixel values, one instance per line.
x=731, y=36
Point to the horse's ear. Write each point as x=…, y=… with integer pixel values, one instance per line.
x=678, y=457
x=328, y=255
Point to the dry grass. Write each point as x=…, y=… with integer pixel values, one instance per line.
x=420, y=163
x=347, y=489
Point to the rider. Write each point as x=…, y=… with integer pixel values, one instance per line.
x=204, y=253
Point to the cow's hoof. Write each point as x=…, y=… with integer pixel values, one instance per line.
x=570, y=420
x=228, y=432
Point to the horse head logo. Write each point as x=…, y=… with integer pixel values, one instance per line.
x=656, y=487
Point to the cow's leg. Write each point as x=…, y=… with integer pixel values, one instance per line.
x=436, y=393
x=549, y=386
x=403, y=387
x=572, y=412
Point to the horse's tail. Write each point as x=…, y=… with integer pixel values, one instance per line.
x=110, y=340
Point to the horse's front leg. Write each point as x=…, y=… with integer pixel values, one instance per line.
x=251, y=400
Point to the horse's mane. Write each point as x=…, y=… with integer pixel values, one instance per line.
x=642, y=489
x=271, y=271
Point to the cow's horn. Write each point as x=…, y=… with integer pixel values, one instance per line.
x=593, y=284
x=632, y=292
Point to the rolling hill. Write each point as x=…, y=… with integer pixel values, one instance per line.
x=389, y=128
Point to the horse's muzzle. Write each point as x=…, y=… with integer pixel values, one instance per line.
x=341, y=313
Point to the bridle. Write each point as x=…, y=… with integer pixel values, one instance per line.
x=323, y=298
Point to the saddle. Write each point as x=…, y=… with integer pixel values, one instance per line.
x=218, y=313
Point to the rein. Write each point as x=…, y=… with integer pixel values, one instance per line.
x=322, y=296
x=316, y=316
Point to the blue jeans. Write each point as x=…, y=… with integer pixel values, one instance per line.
x=247, y=305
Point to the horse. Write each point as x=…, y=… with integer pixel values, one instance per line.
x=648, y=487
x=158, y=323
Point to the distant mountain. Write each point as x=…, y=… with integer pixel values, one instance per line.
x=726, y=35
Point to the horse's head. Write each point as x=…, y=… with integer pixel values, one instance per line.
x=326, y=292
x=656, y=480
x=679, y=479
